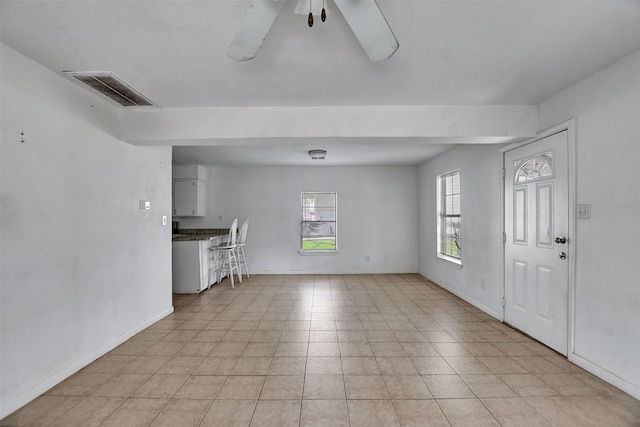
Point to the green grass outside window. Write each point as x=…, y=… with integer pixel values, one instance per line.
x=319, y=244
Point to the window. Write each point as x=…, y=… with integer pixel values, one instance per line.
x=449, y=218
x=537, y=167
x=319, y=222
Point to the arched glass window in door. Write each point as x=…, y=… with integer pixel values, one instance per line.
x=534, y=168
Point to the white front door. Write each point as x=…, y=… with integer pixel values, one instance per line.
x=537, y=244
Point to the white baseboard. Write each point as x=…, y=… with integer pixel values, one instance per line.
x=471, y=301
x=323, y=271
x=605, y=375
x=19, y=401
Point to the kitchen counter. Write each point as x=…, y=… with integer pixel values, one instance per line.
x=191, y=234
x=193, y=261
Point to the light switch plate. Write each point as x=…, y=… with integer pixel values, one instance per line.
x=145, y=205
x=164, y=220
x=584, y=211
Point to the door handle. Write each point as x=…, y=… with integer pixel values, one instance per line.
x=563, y=255
x=561, y=239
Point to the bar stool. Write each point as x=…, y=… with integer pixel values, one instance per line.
x=226, y=260
x=242, y=239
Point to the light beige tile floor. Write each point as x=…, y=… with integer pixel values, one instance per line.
x=355, y=350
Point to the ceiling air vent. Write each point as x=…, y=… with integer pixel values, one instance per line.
x=111, y=86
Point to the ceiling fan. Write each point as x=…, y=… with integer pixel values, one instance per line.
x=363, y=16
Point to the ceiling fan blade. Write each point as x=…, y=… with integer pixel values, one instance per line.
x=254, y=29
x=370, y=27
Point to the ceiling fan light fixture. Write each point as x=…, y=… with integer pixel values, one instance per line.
x=363, y=16
x=313, y=7
x=318, y=154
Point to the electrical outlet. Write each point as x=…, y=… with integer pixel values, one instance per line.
x=483, y=285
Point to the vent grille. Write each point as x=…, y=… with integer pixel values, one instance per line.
x=113, y=87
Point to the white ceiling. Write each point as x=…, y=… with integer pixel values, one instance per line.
x=451, y=53
x=343, y=152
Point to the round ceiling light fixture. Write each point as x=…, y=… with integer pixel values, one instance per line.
x=318, y=154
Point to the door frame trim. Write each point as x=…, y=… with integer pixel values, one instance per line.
x=570, y=127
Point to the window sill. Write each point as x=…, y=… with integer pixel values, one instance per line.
x=450, y=261
x=315, y=253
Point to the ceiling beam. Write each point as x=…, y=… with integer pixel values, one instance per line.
x=218, y=126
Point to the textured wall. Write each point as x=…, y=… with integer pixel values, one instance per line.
x=606, y=107
x=377, y=216
x=82, y=267
x=481, y=234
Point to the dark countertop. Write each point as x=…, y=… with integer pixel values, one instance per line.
x=191, y=234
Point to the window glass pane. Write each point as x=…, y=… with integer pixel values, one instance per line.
x=449, y=223
x=536, y=167
x=455, y=204
x=319, y=222
x=455, y=184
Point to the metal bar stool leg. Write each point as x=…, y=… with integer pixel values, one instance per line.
x=238, y=270
x=238, y=265
x=231, y=270
x=242, y=261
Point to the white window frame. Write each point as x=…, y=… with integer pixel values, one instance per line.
x=442, y=214
x=303, y=251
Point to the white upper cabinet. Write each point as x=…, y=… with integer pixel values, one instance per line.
x=188, y=197
x=189, y=190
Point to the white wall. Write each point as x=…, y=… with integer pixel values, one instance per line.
x=377, y=216
x=481, y=234
x=606, y=107
x=82, y=267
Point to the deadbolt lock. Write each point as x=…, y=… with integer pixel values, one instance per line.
x=561, y=239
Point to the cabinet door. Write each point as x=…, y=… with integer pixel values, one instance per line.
x=200, y=198
x=188, y=197
x=184, y=198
